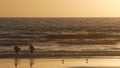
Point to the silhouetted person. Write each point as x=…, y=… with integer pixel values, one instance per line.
x=16, y=49
x=31, y=49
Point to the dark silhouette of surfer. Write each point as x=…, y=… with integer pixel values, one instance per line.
x=31, y=49
x=16, y=49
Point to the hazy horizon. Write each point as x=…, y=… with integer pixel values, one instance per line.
x=60, y=8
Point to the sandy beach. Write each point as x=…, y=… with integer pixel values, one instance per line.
x=59, y=63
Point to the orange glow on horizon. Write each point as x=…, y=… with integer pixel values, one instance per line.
x=60, y=8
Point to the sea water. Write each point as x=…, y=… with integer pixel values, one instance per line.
x=60, y=34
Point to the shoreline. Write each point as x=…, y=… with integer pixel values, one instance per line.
x=82, y=57
x=64, y=55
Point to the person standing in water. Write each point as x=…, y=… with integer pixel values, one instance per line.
x=16, y=49
x=31, y=49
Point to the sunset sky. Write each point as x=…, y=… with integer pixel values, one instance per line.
x=59, y=8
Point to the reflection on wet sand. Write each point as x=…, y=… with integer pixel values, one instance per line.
x=59, y=63
x=86, y=61
x=16, y=62
x=31, y=62
x=62, y=61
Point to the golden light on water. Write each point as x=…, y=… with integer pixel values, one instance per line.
x=59, y=8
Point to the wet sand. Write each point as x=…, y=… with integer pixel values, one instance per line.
x=60, y=63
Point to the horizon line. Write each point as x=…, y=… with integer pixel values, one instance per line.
x=59, y=17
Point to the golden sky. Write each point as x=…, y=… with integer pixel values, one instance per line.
x=59, y=8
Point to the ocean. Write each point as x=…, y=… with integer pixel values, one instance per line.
x=60, y=34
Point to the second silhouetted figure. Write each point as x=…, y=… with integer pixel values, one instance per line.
x=31, y=48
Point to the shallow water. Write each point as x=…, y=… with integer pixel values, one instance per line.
x=59, y=63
